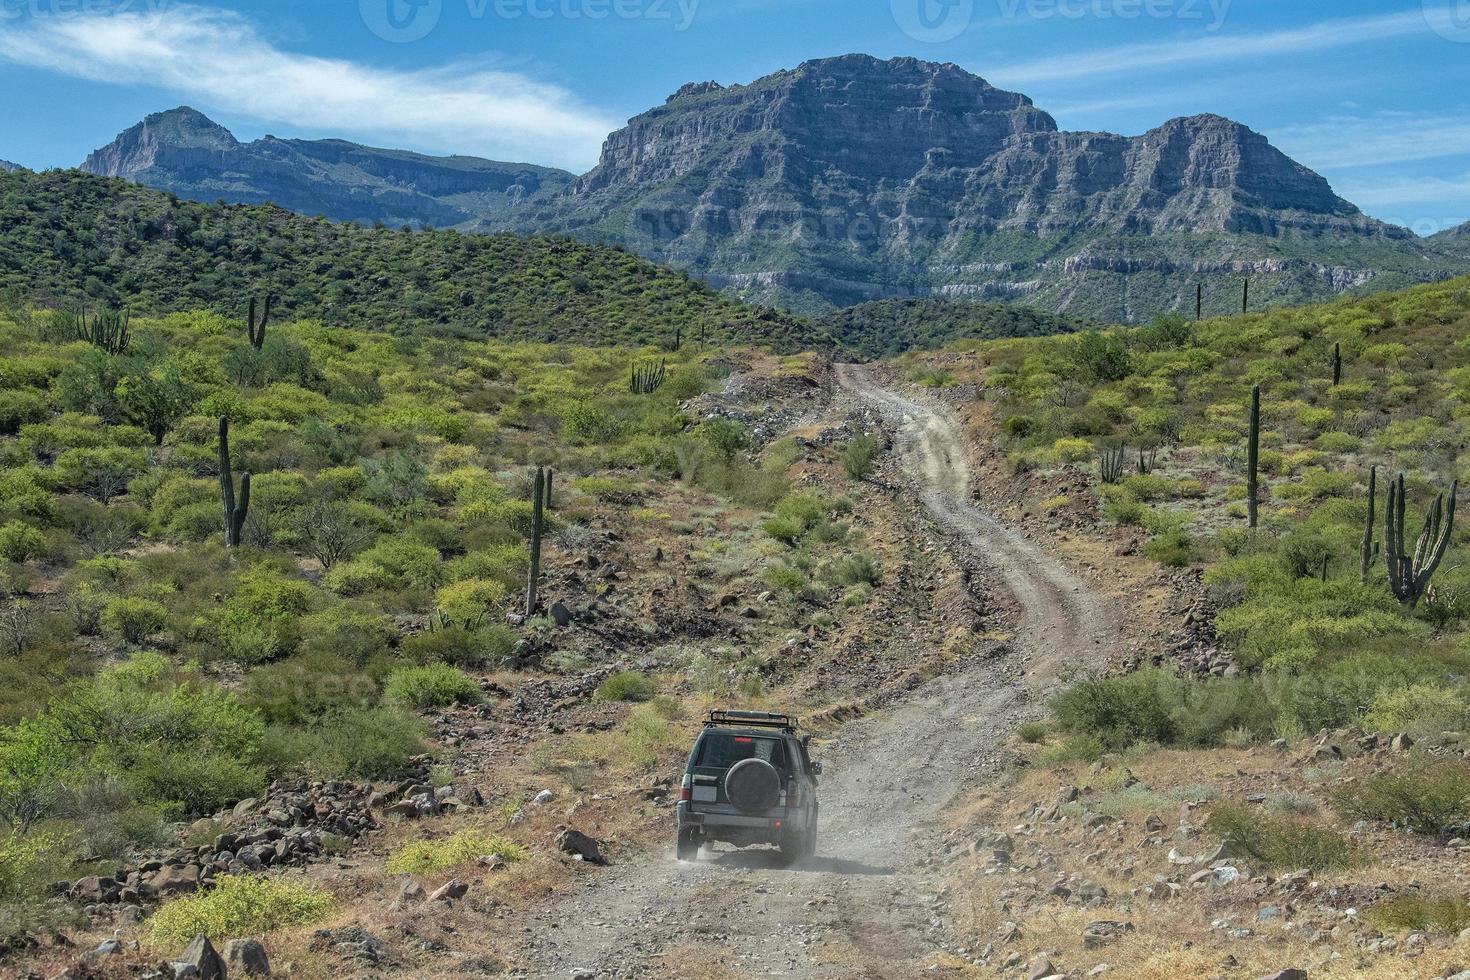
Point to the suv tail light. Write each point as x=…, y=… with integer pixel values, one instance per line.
x=793, y=794
x=686, y=792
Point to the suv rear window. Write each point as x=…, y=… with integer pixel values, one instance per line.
x=721, y=750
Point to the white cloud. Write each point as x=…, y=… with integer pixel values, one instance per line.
x=1217, y=48
x=219, y=60
x=1374, y=140
x=1393, y=191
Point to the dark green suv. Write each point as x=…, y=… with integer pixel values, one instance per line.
x=749, y=780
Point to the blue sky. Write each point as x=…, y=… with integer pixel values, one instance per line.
x=1374, y=95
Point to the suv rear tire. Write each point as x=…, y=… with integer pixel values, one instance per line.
x=687, y=848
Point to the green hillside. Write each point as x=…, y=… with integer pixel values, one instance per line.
x=65, y=235
x=891, y=326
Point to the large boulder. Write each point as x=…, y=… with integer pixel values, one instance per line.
x=201, y=956
x=579, y=845
x=246, y=958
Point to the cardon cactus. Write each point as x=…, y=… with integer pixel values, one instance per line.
x=235, y=509
x=645, y=379
x=257, y=331
x=1253, y=459
x=538, y=505
x=1409, y=573
x=1370, y=546
x=1110, y=464
x=109, y=330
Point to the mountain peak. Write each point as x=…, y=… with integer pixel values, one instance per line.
x=7, y=167
x=186, y=126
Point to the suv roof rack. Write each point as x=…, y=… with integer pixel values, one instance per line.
x=751, y=719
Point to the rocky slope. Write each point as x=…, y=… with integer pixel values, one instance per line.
x=852, y=179
x=186, y=153
x=8, y=167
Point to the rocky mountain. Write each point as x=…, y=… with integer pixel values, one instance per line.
x=1460, y=234
x=186, y=153
x=854, y=179
x=849, y=180
x=7, y=167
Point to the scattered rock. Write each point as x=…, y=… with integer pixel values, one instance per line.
x=1291, y=973
x=1104, y=931
x=246, y=958
x=1041, y=967
x=542, y=798
x=449, y=891
x=579, y=845
x=201, y=956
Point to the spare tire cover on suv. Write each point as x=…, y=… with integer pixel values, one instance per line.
x=753, y=785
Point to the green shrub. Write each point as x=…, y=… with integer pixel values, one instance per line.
x=855, y=569
x=1281, y=842
x=1419, y=710
x=133, y=619
x=238, y=906
x=726, y=436
x=1445, y=916
x=468, y=603
x=308, y=687
x=1032, y=732
x=627, y=685
x=429, y=856
x=159, y=730
x=1427, y=797
x=24, y=861
x=1175, y=548
x=349, y=743
x=20, y=542
x=859, y=454
x=429, y=686
x=797, y=517
x=354, y=632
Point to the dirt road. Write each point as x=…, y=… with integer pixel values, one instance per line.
x=866, y=907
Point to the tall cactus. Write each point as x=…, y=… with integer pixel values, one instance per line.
x=538, y=503
x=1253, y=459
x=1370, y=546
x=109, y=330
x=1245, y=298
x=1336, y=364
x=257, y=331
x=1199, y=301
x=1110, y=463
x=235, y=510
x=1409, y=574
x=645, y=379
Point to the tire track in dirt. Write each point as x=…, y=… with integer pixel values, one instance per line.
x=866, y=906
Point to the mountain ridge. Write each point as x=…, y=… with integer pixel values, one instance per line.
x=186, y=153
x=852, y=179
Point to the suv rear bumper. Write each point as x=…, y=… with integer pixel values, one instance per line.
x=722, y=822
